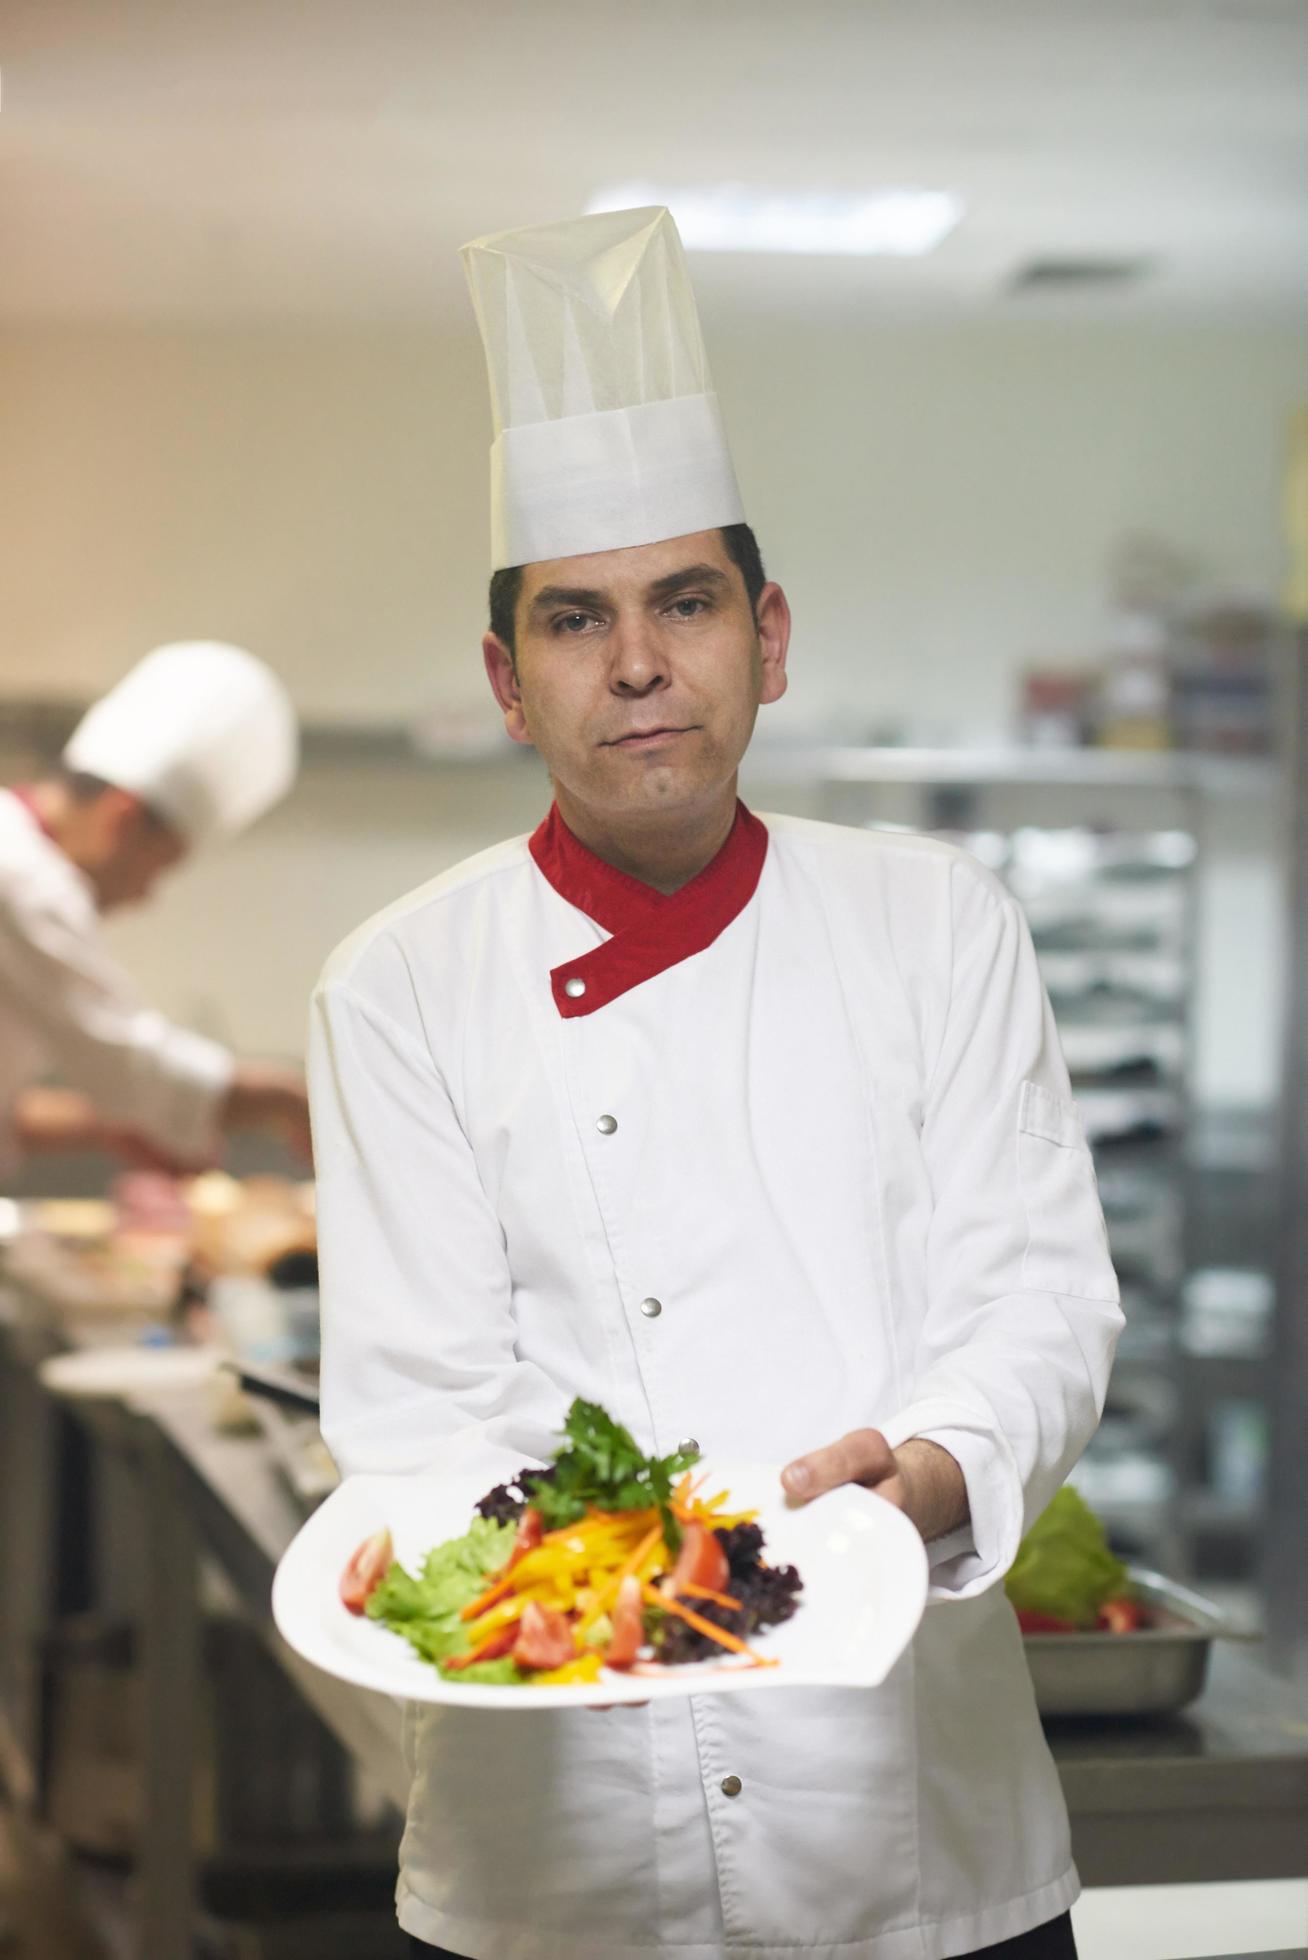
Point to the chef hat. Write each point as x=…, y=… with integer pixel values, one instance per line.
x=203, y=733
x=607, y=430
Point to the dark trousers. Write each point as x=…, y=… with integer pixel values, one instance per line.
x=1053, y=1941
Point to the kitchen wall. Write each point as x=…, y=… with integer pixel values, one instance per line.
x=941, y=504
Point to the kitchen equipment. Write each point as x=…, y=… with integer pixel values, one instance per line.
x=1154, y=1671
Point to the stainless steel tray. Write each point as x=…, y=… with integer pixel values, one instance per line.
x=1153, y=1672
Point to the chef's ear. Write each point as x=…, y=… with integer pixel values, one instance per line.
x=773, y=616
x=503, y=677
x=119, y=818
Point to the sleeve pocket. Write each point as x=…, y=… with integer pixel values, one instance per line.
x=1067, y=1243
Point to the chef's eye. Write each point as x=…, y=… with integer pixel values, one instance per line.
x=687, y=606
x=573, y=622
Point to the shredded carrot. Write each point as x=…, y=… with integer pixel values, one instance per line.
x=488, y=1598
x=706, y=1592
x=701, y=1625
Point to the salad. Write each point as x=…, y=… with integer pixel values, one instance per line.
x=1066, y=1579
x=606, y=1558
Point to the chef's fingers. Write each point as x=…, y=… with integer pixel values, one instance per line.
x=862, y=1457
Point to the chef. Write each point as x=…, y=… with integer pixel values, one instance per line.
x=753, y=1130
x=193, y=744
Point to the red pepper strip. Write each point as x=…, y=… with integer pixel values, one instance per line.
x=484, y=1601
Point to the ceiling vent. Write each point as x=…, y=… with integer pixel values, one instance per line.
x=1079, y=275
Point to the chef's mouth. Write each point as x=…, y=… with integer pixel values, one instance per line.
x=636, y=736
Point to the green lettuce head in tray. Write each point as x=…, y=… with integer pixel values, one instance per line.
x=1063, y=1566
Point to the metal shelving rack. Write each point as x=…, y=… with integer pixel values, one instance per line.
x=1112, y=917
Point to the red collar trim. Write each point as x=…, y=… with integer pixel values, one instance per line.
x=28, y=801
x=651, y=930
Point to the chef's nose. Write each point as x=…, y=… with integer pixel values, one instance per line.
x=637, y=661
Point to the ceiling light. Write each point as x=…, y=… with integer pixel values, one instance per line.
x=899, y=221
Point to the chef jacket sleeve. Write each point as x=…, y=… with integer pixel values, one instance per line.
x=1022, y=1317
x=419, y=1371
x=136, y=1066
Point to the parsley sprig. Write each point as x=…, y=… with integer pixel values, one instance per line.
x=601, y=1465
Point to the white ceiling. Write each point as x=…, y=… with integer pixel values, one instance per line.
x=322, y=160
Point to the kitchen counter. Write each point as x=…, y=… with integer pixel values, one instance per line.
x=1219, y=1792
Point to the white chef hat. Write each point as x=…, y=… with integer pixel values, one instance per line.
x=607, y=430
x=203, y=733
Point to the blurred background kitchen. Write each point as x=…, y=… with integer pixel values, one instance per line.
x=1008, y=308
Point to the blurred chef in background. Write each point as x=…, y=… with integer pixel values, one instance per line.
x=196, y=742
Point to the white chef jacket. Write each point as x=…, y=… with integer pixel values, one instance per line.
x=67, y=1007
x=843, y=1160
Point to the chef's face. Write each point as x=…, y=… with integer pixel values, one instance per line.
x=124, y=849
x=638, y=675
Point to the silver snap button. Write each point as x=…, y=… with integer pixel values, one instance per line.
x=606, y=1125
x=574, y=988
x=731, y=1786
x=689, y=1446
x=651, y=1308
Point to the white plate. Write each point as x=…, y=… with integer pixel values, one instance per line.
x=110, y=1373
x=863, y=1565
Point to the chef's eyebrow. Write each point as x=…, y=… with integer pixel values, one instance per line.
x=671, y=582
x=581, y=596
x=586, y=598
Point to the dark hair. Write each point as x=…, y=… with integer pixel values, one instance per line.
x=741, y=546
x=83, y=788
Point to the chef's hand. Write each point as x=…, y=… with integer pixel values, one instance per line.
x=920, y=1478
x=266, y=1097
x=51, y=1120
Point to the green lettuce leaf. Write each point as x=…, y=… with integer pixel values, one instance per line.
x=1063, y=1566
x=426, y=1609
x=504, y=1673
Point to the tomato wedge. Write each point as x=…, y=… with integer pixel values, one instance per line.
x=628, y=1625
x=366, y=1570
x=1121, y=1615
x=491, y=1650
x=531, y=1529
x=544, y=1637
x=1043, y=1623
x=701, y=1561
